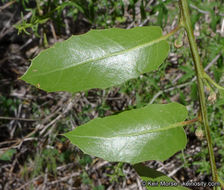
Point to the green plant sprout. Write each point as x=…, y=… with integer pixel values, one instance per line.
x=105, y=58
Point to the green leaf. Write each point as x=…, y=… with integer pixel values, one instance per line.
x=221, y=97
x=153, y=179
x=221, y=181
x=149, y=133
x=194, y=91
x=7, y=155
x=98, y=59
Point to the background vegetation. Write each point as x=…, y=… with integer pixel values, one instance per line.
x=33, y=154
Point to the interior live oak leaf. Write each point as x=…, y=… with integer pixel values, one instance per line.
x=98, y=59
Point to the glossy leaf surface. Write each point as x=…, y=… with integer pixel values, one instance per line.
x=98, y=59
x=153, y=179
x=149, y=133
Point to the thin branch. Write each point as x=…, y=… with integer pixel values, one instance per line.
x=202, y=11
x=211, y=81
x=75, y=174
x=175, y=171
x=20, y=119
x=7, y=5
x=185, y=18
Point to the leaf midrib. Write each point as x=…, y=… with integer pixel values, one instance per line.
x=162, y=38
x=176, y=125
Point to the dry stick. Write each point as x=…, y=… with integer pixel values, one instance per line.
x=41, y=126
x=202, y=11
x=75, y=174
x=139, y=184
x=66, y=110
x=7, y=5
x=186, y=22
x=7, y=142
x=53, y=32
x=15, y=118
x=29, y=182
x=131, y=187
x=20, y=141
x=175, y=171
